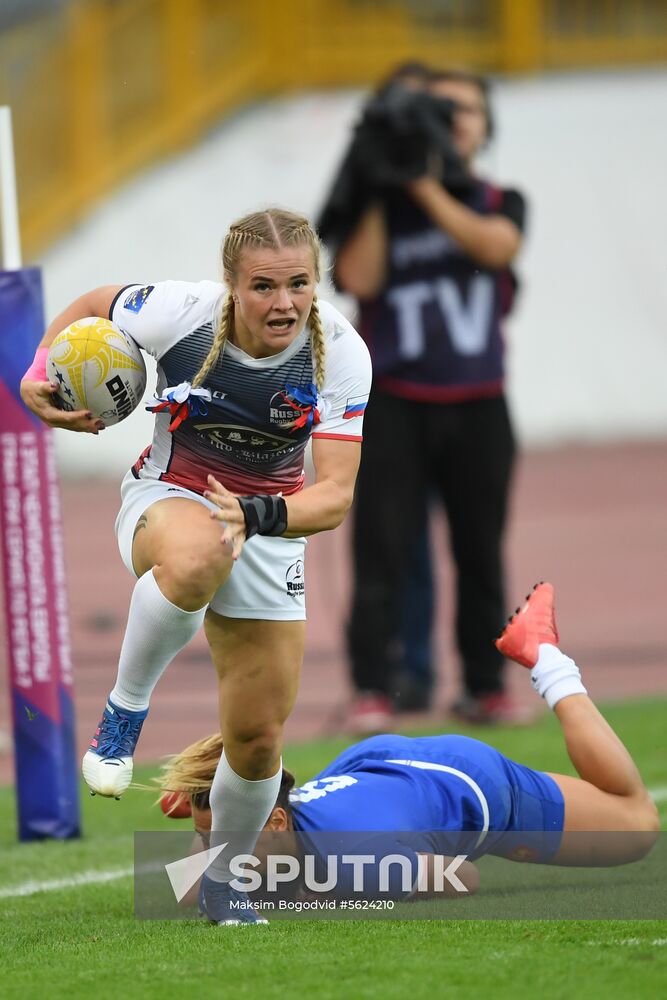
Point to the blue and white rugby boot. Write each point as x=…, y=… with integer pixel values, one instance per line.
x=107, y=765
x=225, y=906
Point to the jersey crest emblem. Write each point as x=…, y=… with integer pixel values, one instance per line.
x=294, y=579
x=295, y=406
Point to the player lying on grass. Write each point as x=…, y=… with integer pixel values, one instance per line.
x=453, y=783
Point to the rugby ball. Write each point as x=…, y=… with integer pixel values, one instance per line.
x=175, y=805
x=97, y=368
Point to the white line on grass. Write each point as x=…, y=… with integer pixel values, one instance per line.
x=627, y=942
x=96, y=877
x=71, y=882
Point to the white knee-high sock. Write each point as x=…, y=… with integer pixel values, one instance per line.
x=238, y=805
x=555, y=675
x=156, y=631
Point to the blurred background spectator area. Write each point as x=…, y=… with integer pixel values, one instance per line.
x=100, y=88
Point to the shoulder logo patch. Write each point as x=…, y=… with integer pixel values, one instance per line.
x=135, y=300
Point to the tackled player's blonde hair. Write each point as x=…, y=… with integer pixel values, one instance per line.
x=192, y=770
x=191, y=773
x=272, y=229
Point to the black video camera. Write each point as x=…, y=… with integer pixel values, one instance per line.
x=401, y=133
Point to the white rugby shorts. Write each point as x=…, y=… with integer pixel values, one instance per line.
x=267, y=581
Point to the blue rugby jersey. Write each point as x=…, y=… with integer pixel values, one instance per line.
x=396, y=784
x=401, y=783
x=434, y=795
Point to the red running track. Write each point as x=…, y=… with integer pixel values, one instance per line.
x=590, y=519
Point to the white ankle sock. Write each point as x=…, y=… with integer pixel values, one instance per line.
x=156, y=631
x=239, y=805
x=555, y=676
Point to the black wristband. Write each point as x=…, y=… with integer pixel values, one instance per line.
x=265, y=514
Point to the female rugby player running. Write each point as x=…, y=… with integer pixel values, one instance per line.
x=454, y=783
x=248, y=371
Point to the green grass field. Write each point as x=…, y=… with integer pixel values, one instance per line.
x=82, y=940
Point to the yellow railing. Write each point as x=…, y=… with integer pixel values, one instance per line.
x=101, y=87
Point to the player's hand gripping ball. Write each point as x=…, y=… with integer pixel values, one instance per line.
x=97, y=368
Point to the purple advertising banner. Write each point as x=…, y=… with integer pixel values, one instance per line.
x=33, y=583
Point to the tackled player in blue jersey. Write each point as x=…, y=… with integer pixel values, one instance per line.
x=425, y=796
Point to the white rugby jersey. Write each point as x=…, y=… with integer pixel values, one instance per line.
x=244, y=438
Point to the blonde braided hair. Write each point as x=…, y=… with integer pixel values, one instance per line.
x=222, y=331
x=318, y=342
x=273, y=229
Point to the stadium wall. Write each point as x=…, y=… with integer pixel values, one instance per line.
x=100, y=90
x=587, y=352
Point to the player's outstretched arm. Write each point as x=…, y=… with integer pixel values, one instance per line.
x=37, y=391
x=608, y=802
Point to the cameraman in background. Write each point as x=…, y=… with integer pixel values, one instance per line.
x=426, y=247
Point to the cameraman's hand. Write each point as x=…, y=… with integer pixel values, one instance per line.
x=432, y=180
x=423, y=187
x=492, y=240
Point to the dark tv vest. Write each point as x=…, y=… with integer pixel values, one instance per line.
x=434, y=332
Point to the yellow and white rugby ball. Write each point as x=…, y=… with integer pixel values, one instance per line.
x=97, y=368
